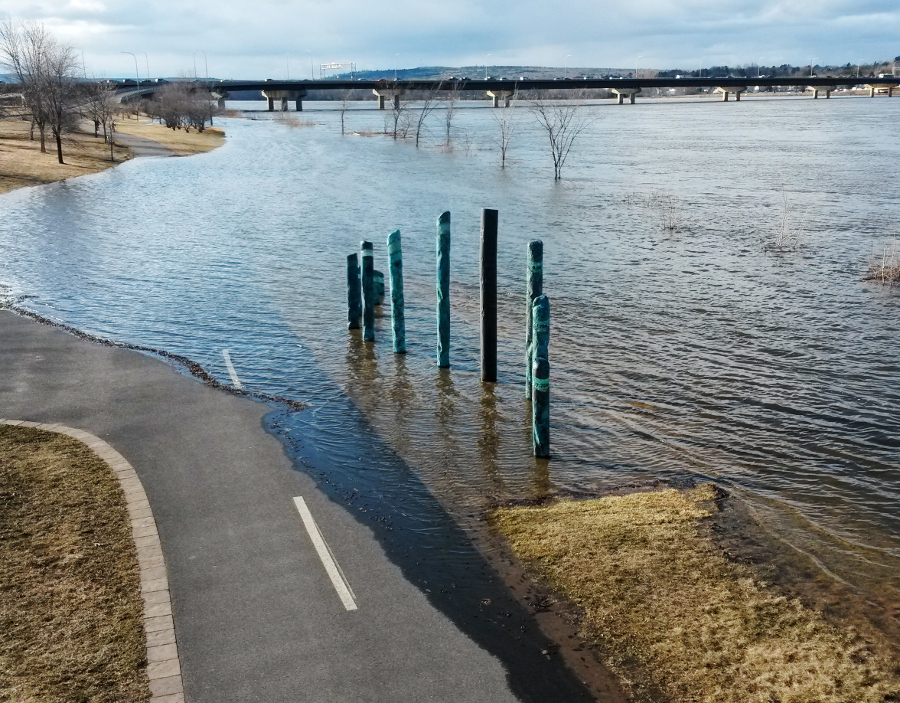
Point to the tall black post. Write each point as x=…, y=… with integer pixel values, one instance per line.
x=368, y=291
x=489, y=295
x=354, y=292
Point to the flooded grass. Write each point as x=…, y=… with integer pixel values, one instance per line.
x=676, y=619
x=183, y=142
x=70, y=606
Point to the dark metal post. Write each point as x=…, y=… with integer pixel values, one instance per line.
x=354, y=292
x=443, y=290
x=540, y=394
x=533, y=288
x=368, y=291
x=489, y=295
x=398, y=322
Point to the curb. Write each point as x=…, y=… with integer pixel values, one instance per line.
x=163, y=665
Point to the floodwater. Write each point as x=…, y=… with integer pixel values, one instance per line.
x=682, y=344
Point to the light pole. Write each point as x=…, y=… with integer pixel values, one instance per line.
x=857, y=70
x=636, y=65
x=195, y=64
x=485, y=65
x=811, y=65
x=566, y=74
x=137, y=75
x=287, y=63
x=395, y=66
x=701, y=68
x=758, y=65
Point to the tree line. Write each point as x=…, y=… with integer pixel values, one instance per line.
x=57, y=99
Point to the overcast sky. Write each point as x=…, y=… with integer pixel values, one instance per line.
x=267, y=39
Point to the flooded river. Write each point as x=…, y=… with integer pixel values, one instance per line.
x=683, y=345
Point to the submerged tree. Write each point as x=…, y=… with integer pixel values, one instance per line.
x=563, y=121
x=506, y=118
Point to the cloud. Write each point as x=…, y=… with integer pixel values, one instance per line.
x=265, y=38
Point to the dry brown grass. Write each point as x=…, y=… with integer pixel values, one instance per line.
x=70, y=607
x=183, y=143
x=885, y=269
x=679, y=622
x=23, y=164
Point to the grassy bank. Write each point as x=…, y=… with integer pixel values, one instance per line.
x=179, y=141
x=675, y=618
x=70, y=607
x=22, y=163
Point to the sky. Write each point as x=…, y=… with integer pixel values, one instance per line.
x=291, y=38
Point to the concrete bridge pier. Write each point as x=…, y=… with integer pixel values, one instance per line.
x=219, y=98
x=622, y=92
x=383, y=95
x=725, y=90
x=497, y=95
x=874, y=89
x=284, y=96
x=816, y=89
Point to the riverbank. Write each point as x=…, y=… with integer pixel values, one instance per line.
x=70, y=602
x=22, y=164
x=678, y=617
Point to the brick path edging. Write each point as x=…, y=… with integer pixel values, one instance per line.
x=163, y=667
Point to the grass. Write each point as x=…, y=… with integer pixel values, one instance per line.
x=182, y=142
x=22, y=163
x=885, y=269
x=678, y=621
x=70, y=607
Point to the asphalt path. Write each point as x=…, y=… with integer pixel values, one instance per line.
x=257, y=615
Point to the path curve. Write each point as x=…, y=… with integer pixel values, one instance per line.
x=163, y=667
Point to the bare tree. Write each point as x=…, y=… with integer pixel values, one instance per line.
x=344, y=96
x=399, y=116
x=60, y=92
x=46, y=70
x=100, y=106
x=563, y=121
x=428, y=105
x=506, y=118
x=181, y=104
x=451, y=98
x=22, y=47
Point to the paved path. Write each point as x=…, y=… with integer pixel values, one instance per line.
x=256, y=615
x=141, y=146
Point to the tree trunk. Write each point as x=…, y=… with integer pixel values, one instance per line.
x=43, y=141
x=59, y=148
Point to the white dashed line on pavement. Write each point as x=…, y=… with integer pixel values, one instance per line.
x=331, y=566
x=235, y=381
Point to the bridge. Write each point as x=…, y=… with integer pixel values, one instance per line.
x=502, y=90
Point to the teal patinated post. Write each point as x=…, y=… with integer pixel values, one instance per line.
x=378, y=282
x=354, y=293
x=443, y=291
x=540, y=394
x=368, y=291
x=398, y=322
x=533, y=288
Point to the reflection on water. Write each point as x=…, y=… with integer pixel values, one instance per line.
x=688, y=352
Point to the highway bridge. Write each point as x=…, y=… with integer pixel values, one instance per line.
x=502, y=90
